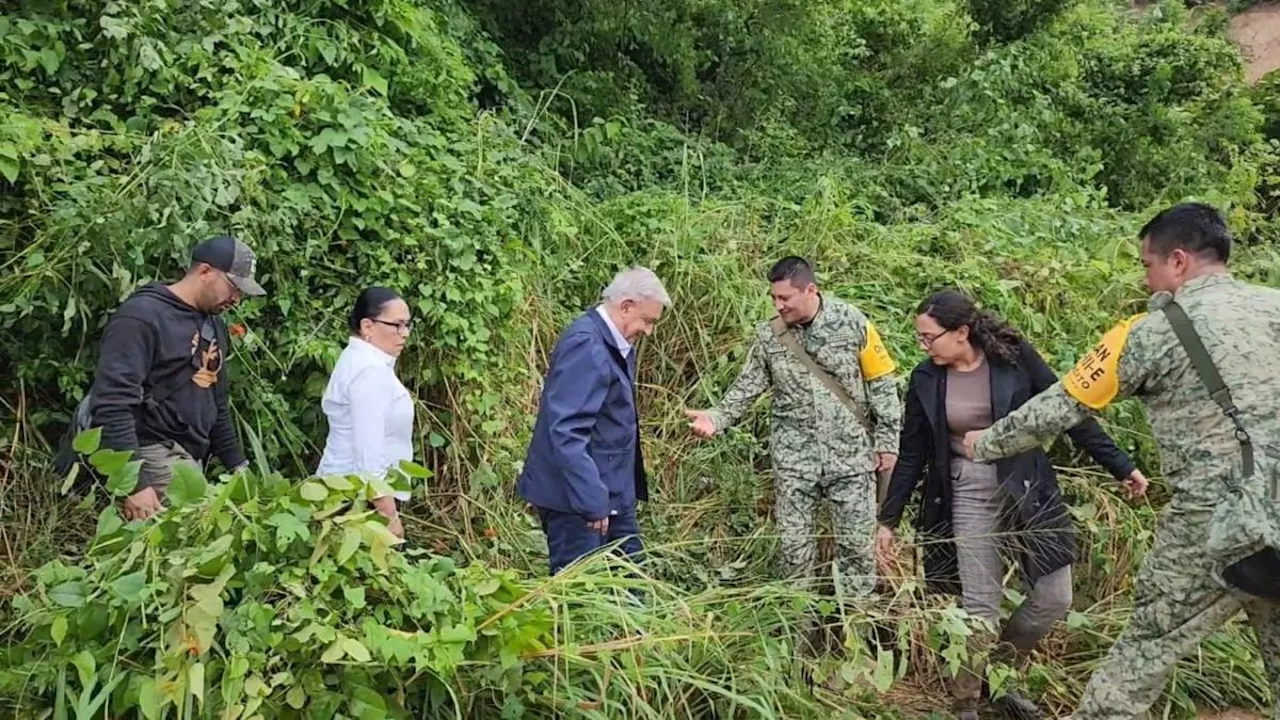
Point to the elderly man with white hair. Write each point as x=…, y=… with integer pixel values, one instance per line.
x=584, y=472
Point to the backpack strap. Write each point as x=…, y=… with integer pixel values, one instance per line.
x=1211, y=378
x=789, y=341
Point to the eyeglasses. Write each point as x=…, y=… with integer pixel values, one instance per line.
x=404, y=326
x=928, y=340
x=235, y=289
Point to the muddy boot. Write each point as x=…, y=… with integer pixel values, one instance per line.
x=1016, y=707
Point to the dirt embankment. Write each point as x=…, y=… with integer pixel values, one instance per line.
x=1257, y=32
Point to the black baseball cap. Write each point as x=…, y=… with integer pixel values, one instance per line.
x=231, y=257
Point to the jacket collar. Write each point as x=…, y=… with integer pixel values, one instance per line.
x=1204, y=281
x=615, y=334
x=606, y=331
x=370, y=353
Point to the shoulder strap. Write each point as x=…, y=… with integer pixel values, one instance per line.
x=1211, y=378
x=788, y=340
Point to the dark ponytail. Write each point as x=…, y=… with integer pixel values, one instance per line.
x=953, y=309
x=369, y=305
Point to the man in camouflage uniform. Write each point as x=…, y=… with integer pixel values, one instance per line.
x=1176, y=603
x=821, y=447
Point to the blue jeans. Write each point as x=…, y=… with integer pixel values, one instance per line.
x=569, y=538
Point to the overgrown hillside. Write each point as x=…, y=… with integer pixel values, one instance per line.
x=497, y=162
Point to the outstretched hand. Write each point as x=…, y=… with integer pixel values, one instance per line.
x=700, y=423
x=1135, y=486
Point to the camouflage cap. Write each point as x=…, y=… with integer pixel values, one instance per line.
x=232, y=257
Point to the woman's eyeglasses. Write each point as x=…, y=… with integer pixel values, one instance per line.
x=404, y=326
x=928, y=340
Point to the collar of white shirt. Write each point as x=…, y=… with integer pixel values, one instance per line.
x=372, y=353
x=624, y=347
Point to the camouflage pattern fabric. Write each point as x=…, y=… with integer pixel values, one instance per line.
x=820, y=448
x=1177, y=604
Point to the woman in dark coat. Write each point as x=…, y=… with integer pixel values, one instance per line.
x=979, y=370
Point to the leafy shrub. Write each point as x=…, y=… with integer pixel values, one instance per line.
x=1013, y=19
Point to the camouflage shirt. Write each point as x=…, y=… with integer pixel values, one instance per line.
x=813, y=432
x=1239, y=324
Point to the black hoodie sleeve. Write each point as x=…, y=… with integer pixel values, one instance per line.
x=1088, y=435
x=222, y=437
x=123, y=359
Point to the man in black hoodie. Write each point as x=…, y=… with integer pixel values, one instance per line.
x=160, y=390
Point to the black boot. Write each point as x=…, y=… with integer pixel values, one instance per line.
x=1016, y=707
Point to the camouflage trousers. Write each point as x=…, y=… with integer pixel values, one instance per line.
x=1176, y=606
x=798, y=498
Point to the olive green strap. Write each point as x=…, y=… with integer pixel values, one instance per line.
x=1211, y=378
x=788, y=340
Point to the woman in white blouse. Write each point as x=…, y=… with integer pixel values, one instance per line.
x=370, y=412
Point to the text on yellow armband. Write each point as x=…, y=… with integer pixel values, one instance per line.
x=1095, y=380
x=874, y=358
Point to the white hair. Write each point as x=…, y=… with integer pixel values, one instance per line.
x=636, y=283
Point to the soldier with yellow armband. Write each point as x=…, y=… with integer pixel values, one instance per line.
x=1203, y=361
x=835, y=423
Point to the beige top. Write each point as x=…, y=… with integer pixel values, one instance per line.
x=968, y=403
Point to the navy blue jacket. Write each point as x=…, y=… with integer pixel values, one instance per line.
x=585, y=454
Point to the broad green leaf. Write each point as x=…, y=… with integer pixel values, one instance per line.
x=195, y=679
x=129, y=587
x=313, y=492
x=88, y=441
x=457, y=634
x=372, y=79
x=380, y=541
x=58, y=630
x=339, y=483
x=50, y=60
x=365, y=704
x=109, y=521
x=208, y=598
x=350, y=543
x=296, y=697
x=354, y=596
x=9, y=168
x=216, y=549
x=255, y=687
x=334, y=652
x=288, y=527
x=150, y=699
x=86, y=667
x=487, y=587
x=68, y=594
x=125, y=481
x=436, y=440
x=883, y=678
x=414, y=470
x=188, y=484
x=109, y=462
x=355, y=650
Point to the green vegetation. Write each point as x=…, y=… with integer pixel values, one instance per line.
x=496, y=162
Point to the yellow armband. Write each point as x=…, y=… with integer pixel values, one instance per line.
x=874, y=358
x=1095, y=380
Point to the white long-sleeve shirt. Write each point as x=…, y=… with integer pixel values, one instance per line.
x=370, y=415
x=624, y=347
